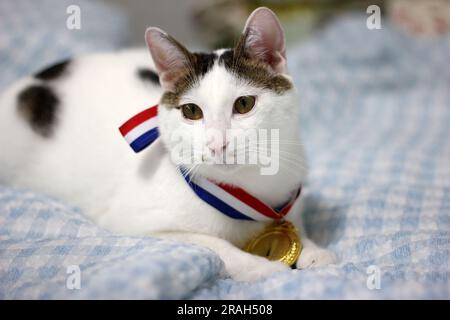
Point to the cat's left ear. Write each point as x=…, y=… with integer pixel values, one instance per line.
x=264, y=39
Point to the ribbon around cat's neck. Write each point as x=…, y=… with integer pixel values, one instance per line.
x=142, y=130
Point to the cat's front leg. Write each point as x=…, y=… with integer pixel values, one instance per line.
x=239, y=265
x=311, y=255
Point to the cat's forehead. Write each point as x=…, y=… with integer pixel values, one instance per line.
x=221, y=66
x=216, y=89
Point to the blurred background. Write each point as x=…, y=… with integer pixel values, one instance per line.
x=34, y=33
x=215, y=23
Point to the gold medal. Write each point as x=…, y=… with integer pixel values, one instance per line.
x=279, y=242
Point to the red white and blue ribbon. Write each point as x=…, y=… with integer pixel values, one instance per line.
x=236, y=202
x=141, y=130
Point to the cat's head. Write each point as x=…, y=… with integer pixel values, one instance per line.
x=212, y=98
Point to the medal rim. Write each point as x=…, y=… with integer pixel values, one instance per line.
x=287, y=228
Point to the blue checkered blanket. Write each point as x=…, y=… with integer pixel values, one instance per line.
x=375, y=121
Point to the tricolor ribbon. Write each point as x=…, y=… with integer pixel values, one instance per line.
x=142, y=130
x=236, y=202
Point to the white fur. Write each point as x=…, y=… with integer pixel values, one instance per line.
x=87, y=163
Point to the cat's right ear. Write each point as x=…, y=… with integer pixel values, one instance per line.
x=169, y=56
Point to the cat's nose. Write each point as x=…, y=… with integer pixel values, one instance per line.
x=217, y=147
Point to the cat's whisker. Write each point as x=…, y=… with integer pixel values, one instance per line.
x=294, y=156
x=292, y=160
x=282, y=142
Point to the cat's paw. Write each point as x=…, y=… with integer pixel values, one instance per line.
x=315, y=257
x=255, y=270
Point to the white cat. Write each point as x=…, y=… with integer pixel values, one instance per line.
x=59, y=135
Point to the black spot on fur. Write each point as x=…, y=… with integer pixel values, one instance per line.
x=227, y=56
x=203, y=62
x=38, y=104
x=148, y=75
x=257, y=72
x=53, y=72
x=198, y=65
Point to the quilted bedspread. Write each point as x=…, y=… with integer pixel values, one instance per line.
x=376, y=128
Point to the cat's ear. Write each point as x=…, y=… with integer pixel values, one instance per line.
x=264, y=40
x=169, y=56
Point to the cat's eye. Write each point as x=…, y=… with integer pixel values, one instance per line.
x=244, y=104
x=191, y=111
